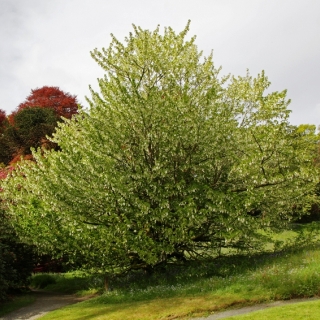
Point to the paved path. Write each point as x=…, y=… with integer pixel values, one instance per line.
x=45, y=302
x=235, y=312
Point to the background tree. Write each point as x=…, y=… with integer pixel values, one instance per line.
x=33, y=120
x=168, y=165
x=63, y=103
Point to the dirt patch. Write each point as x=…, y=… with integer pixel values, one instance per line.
x=236, y=312
x=44, y=303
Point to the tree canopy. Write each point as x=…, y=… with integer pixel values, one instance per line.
x=32, y=121
x=172, y=162
x=63, y=103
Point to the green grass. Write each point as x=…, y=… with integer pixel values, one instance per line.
x=196, y=289
x=297, y=311
x=201, y=289
x=16, y=303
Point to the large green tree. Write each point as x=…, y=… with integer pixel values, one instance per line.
x=172, y=162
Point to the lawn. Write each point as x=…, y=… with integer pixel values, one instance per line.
x=202, y=289
x=198, y=288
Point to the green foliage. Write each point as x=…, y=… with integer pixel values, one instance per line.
x=171, y=163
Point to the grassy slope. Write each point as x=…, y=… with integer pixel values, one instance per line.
x=225, y=283
x=194, y=290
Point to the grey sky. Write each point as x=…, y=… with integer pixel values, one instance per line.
x=49, y=42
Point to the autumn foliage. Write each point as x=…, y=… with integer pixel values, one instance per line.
x=32, y=121
x=64, y=104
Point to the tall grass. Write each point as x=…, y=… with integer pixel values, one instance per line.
x=203, y=288
x=281, y=275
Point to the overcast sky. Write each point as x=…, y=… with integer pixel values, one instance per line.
x=47, y=42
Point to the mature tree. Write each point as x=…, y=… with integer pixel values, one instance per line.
x=171, y=162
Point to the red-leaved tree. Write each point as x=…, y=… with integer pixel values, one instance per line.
x=35, y=119
x=63, y=103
